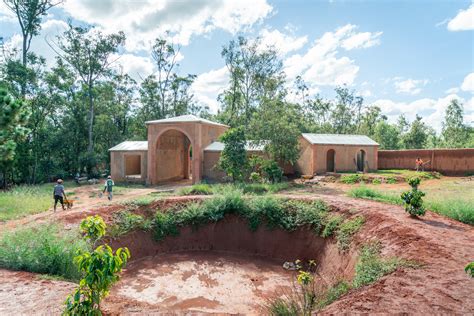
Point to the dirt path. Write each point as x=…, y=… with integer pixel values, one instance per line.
x=441, y=286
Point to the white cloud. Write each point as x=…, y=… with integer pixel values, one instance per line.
x=137, y=67
x=207, y=86
x=6, y=15
x=362, y=40
x=143, y=21
x=468, y=83
x=452, y=90
x=463, y=21
x=322, y=66
x=409, y=86
x=432, y=110
x=283, y=43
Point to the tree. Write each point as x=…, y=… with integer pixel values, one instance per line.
x=13, y=119
x=89, y=52
x=454, y=132
x=255, y=74
x=347, y=111
x=417, y=136
x=275, y=127
x=387, y=135
x=369, y=120
x=233, y=159
x=29, y=14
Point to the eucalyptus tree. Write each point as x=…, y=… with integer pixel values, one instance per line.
x=455, y=132
x=90, y=54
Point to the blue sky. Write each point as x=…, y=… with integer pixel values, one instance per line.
x=405, y=56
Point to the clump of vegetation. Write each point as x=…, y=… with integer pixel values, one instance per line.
x=233, y=159
x=100, y=270
x=470, y=269
x=413, y=199
x=125, y=221
x=197, y=189
x=42, y=249
x=347, y=230
x=351, y=178
x=376, y=181
x=365, y=192
x=371, y=267
x=331, y=225
x=333, y=293
x=272, y=171
x=303, y=297
x=390, y=180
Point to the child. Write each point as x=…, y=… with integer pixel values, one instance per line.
x=58, y=193
x=419, y=164
x=109, y=183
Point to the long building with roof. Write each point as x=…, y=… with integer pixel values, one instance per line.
x=188, y=147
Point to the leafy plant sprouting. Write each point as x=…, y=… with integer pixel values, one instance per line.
x=100, y=270
x=413, y=199
x=470, y=269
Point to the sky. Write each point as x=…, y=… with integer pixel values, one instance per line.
x=409, y=57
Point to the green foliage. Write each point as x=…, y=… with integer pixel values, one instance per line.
x=390, y=180
x=347, y=230
x=376, y=181
x=197, y=189
x=331, y=225
x=93, y=228
x=470, y=269
x=41, y=249
x=233, y=159
x=351, y=178
x=334, y=293
x=272, y=171
x=13, y=118
x=413, y=199
x=164, y=224
x=364, y=192
x=100, y=270
x=417, y=136
x=387, y=135
x=370, y=267
x=125, y=221
x=255, y=177
x=455, y=133
x=283, y=307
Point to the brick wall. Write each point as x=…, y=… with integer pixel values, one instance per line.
x=446, y=161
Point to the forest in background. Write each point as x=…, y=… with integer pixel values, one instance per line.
x=61, y=120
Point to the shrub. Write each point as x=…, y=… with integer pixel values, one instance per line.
x=255, y=177
x=41, y=249
x=346, y=230
x=163, y=224
x=197, y=189
x=100, y=270
x=272, y=171
x=233, y=159
x=351, y=178
x=376, y=181
x=413, y=199
x=470, y=269
x=125, y=221
x=331, y=225
x=390, y=180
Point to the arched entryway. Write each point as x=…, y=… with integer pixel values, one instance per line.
x=173, y=156
x=360, y=160
x=331, y=160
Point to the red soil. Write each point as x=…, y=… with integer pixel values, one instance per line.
x=443, y=245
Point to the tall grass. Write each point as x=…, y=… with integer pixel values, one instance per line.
x=458, y=209
x=25, y=200
x=42, y=249
x=246, y=188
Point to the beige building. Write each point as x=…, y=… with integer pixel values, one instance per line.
x=186, y=147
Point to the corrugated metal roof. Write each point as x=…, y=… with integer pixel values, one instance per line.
x=184, y=119
x=339, y=139
x=131, y=146
x=250, y=146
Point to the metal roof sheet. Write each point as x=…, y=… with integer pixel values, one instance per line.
x=184, y=119
x=250, y=146
x=131, y=146
x=339, y=139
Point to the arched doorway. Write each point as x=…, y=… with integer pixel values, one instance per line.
x=330, y=160
x=360, y=160
x=173, y=159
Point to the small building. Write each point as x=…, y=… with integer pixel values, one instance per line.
x=187, y=147
x=321, y=153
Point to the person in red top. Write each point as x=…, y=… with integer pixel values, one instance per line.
x=419, y=164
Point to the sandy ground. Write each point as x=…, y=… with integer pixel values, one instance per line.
x=441, y=286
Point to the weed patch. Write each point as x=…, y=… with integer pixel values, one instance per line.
x=347, y=230
x=125, y=221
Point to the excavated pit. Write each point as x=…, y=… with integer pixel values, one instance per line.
x=221, y=267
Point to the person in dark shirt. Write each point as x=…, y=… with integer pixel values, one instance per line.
x=109, y=184
x=58, y=194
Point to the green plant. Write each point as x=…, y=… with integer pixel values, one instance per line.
x=233, y=160
x=413, y=199
x=100, y=270
x=197, y=189
x=351, y=178
x=163, y=224
x=376, y=181
x=46, y=248
x=334, y=293
x=125, y=221
x=272, y=171
x=255, y=177
x=346, y=230
x=390, y=180
x=331, y=225
x=470, y=269
x=364, y=192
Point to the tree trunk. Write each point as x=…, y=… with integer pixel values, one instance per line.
x=23, y=84
x=90, y=148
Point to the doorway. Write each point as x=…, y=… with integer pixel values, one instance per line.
x=173, y=156
x=330, y=160
x=360, y=160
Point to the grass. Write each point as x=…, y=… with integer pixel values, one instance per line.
x=246, y=188
x=347, y=230
x=124, y=222
x=42, y=249
x=460, y=208
x=26, y=200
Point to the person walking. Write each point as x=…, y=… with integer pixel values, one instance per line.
x=109, y=183
x=58, y=194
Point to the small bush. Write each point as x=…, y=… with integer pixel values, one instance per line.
x=351, y=178
x=390, y=180
x=470, y=269
x=163, y=225
x=42, y=249
x=331, y=225
x=413, y=199
x=376, y=181
x=255, y=177
x=272, y=171
x=346, y=230
x=370, y=267
x=125, y=221
x=197, y=189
